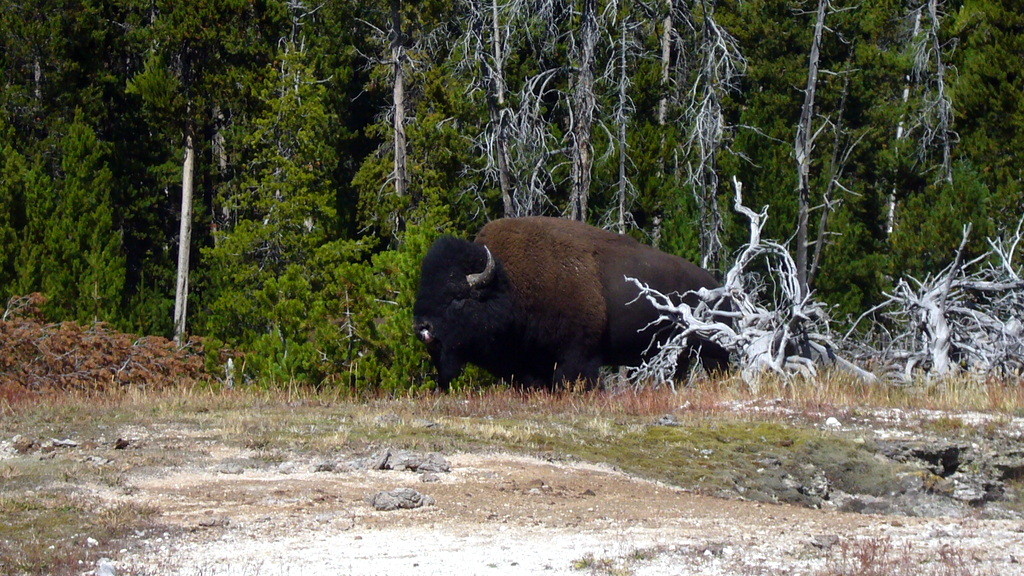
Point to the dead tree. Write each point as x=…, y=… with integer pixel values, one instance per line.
x=619, y=217
x=965, y=320
x=932, y=120
x=184, y=238
x=398, y=62
x=532, y=146
x=802, y=148
x=488, y=42
x=721, y=65
x=583, y=106
x=517, y=143
x=767, y=324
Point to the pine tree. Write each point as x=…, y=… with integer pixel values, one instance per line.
x=72, y=251
x=276, y=215
x=15, y=172
x=988, y=99
x=199, y=53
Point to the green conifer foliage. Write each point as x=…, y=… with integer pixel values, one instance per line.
x=988, y=99
x=264, y=284
x=14, y=169
x=71, y=249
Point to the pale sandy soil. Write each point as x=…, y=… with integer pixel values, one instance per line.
x=498, y=514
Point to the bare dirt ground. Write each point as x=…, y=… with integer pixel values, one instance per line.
x=509, y=514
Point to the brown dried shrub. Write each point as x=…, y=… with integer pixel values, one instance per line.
x=37, y=355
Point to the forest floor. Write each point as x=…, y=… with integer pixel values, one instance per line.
x=208, y=483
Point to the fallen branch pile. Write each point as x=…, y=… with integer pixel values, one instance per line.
x=762, y=320
x=968, y=319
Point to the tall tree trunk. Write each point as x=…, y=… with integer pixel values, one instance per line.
x=890, y=218
x=584, y=104
x=496, y=103
x=622, y=119
x=721, y=63
x=666, y=64
x=37, y=79
x=803, y=147
x=398, y=97
x=184, y=238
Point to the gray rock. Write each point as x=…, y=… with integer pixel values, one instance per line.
x=212, y=521
x=667, y=420
x=975, y=488
x=1009, y=465
x=230, y=468
x=376, y=462
x=105, y=568
x=862, y=503
x=326, y=466
x=824, y=541
x=942, y=458
x=400, y=499
x=434, y=462
x=817, y=487
x=403, y=460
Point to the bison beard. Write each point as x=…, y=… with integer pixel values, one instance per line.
x=544, y=301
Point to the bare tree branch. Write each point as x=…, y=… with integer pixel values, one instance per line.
x=766, y=323
x=722, y=64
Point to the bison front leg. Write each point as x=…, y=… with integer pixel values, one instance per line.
x=577, y=369
x=449, y=366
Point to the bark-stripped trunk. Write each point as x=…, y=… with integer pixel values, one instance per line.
x=184, y=239
x=496, y=104
x=803, y=147
x=720, y=63
x=622, y=119
x=583, y=104
x=901, y=131
x=398, y=99
x=937, y=116
x=666, y=60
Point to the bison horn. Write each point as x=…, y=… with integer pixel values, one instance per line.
x=485, y=276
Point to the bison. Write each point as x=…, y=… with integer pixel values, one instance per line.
x=544, y=301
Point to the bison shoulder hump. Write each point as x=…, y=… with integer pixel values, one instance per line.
x=552, y=265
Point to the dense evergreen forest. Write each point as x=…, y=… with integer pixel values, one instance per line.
x=297, y=157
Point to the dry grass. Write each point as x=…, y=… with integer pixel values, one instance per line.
x=708, y=398
x=882, y=557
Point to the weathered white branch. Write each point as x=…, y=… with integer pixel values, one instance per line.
x=785, y=333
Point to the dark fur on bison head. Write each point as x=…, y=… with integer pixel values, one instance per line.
x=463, y=311
x=545, y=301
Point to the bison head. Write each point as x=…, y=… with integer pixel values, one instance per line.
x=463, y=307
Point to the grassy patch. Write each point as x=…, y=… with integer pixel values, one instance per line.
x=56, y=534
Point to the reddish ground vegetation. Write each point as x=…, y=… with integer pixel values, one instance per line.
x=38, y=355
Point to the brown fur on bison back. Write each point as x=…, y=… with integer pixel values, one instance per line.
x=552, y=264
x=568, y=273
